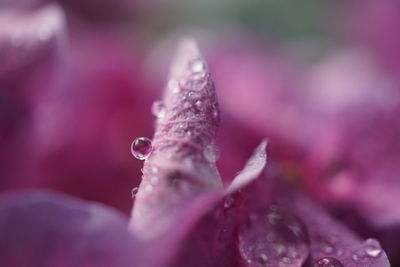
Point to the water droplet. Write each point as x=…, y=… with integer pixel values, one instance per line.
x=154, y=169
x=262, y=258
x=229, y=201
x=141, y=148
x=372, y=247
x=198, y=65
x=211, y=153
x=215, y=114
x=148, y=188
x=158, y=109
x=280, y=249
x=328, y=262
x=134, y=192
x=198, y=104
x=173, y=86
x=154, y=180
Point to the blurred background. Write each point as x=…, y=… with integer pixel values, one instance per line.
x=319, y=79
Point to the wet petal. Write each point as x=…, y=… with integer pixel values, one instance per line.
x=253, y=168
x=273, y=236
x=329, y=238
x=182, y=164
x=50, y=229
x=28, y=38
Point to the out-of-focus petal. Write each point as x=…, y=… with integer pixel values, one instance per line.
x=49, y=229
x=83, y=133
x=31, y=66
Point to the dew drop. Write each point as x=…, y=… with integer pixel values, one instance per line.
x=198, y=66
x=211, y=153
x=372, y=247
x=134, y=192
x=328, y=262
x=148, y=188
x=173, y=85
x=158, y=109
x=198, y=104
x=141, y=148
x=229, y=202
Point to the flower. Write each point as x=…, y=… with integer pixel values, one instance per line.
x=183, y=216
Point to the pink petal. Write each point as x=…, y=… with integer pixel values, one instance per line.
x=331, y=239
x=182, y=164
x=50, y=229
x=252, y=170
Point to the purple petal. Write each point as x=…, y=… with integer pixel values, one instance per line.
x=252, y=170
x=50, y=229
x=329, y=238
x=282, y=227
x=182, y=164
x=31, y=54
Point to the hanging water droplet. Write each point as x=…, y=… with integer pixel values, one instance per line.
x=328, y=262
x=134, y=192
x=158, y=109
x=211, y=153
x=148, y=188
x=372, y=247
x=327, y=247
x=278, y=241
x=141, y=148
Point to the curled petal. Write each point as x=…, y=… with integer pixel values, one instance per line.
x=50, y=229
x=182, y=164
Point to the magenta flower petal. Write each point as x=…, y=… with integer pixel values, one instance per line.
x=283, y=228
x=182, y=164
x=252, y=170
x=329, y=238
x=50, y=229
x=31, y=53
x=210, y=224
x=28, y=39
